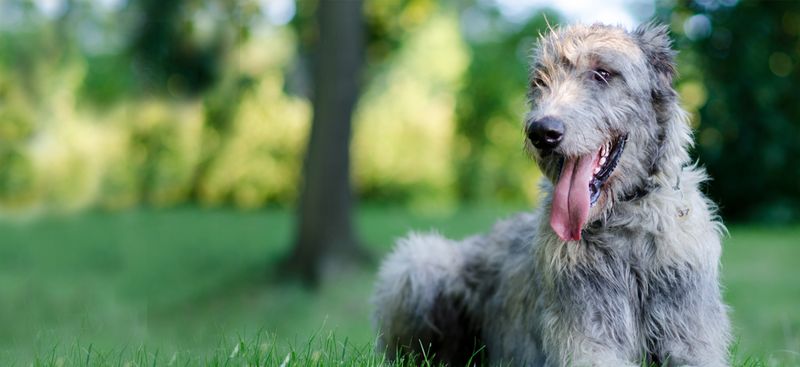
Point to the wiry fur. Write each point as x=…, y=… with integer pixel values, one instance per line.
x=642, y=283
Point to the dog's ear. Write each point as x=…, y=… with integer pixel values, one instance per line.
x=653, y=38
x=675, y=136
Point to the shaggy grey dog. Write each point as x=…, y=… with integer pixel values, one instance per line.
x=619, y=266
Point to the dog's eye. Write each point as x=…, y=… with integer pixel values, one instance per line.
x=539, y=83
x=601, y=75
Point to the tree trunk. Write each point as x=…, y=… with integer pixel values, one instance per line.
x=325, y=237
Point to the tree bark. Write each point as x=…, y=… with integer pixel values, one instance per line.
x=325, y=237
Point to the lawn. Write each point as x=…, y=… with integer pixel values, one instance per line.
x=189, y=285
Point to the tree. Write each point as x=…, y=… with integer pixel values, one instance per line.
x=325, y=233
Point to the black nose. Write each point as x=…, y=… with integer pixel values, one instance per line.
x=546, y=133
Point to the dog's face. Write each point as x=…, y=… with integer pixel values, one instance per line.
x=600, y=97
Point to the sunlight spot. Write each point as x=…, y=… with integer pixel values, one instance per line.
x=278, y=12
x=51, y=8
x=693, y=94
x=111, y=6
x=697, y=27
x=615, y=12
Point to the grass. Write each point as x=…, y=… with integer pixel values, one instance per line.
x=187, y=286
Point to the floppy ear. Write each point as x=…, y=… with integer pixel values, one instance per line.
x=674, y=136
x=654, y=41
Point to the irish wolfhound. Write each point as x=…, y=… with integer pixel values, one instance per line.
x=620, y=264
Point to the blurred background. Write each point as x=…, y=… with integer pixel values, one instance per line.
x=177, y=173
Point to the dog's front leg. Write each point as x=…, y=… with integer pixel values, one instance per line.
x=687, y=323
x=588, y=320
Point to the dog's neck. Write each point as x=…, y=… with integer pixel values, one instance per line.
x=639, y=192
x=669, y=176
x=655, y=192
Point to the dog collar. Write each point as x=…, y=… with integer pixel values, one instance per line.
x=644, y=190
x=640, y=192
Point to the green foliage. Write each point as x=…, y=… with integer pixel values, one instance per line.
x=118, y=108
x=108, y=80
x=260, y=154
x=173, y=51
x=402, y=153
x=17, y=178
x=389, y=22
x=748, y=118
x=164, y=141
x=64, y=148
x=491, y=106
x=96, y=128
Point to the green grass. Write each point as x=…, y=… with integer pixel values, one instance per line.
x=186, y=286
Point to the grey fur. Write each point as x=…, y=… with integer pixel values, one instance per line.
x=642, y=284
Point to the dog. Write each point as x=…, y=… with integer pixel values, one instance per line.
x=620, y=264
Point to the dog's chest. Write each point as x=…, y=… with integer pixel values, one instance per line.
x=631, y=265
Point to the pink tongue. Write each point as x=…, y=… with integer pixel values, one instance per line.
x=571, y=197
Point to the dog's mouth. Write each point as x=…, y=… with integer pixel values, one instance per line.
x=579, y=186
x=609, y=157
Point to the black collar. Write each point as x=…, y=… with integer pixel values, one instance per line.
x=640, y=192
x=646, y=189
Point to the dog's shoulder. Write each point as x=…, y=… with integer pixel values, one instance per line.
x=514, y=235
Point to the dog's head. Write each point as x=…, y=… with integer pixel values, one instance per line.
x=604, y=120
